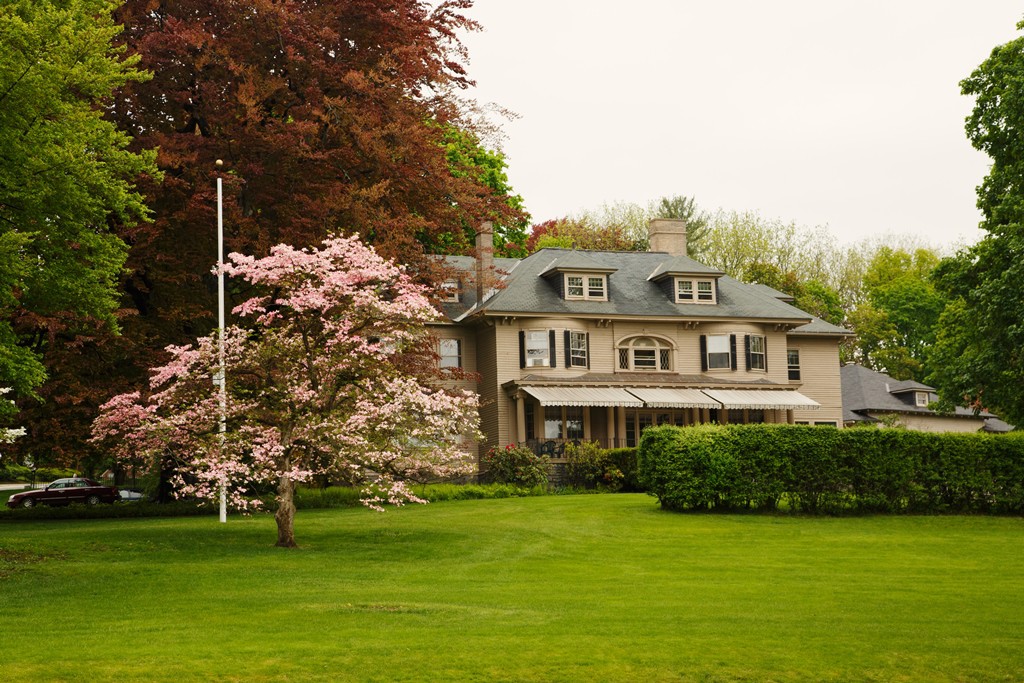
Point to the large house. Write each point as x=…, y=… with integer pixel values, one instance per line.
x=597, y=345
x=872, y=397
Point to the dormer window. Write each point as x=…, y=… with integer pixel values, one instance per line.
x=578, y=276
x=695, y=291
x=586, y=287
x=450, y=291
x=921, y=399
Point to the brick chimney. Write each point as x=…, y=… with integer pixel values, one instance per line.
x=484, y=259
x=668, y=234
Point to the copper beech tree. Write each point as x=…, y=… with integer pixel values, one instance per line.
x=334, y=377
x=329, y=117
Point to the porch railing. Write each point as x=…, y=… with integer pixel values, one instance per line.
x=555, y=448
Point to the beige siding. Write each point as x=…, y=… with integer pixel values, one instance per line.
x=487, y=367
x=469, y=350
x=492, y=350
x=819, y=378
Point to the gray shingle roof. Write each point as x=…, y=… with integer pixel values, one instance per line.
x=577, y=261
x=774, y=292
x=683, y=265
x=865, y=390
x=630, y=291
x=817, y=326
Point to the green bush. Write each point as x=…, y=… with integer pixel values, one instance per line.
x=625, y=460
x=437, y=493
x=14, y=472
x=830, y=471
x=516, y=465
x=48, y=474
x=588, y=466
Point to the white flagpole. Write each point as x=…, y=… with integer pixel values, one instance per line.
x=222, y=379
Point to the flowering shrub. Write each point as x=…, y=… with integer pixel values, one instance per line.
x=515, y=465
x=588, y=466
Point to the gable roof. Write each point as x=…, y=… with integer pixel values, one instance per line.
x=524, y=290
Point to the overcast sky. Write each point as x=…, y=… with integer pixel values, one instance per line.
x=844, y=114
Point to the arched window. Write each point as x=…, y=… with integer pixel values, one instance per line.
x=645, y=354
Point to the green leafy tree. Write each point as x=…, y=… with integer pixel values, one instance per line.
x=329, y=117
x=736, y=241
x=812, y=296
x=623, y=221
x=822, y=301
x=897, y=323
x=65, y=174
x=467, y=156
x=978, y=354
x=619, y=226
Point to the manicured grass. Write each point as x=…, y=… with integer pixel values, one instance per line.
x=558, y=588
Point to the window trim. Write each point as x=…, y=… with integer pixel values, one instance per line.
x=450, y=291
x=705, y=352
x=573, y=359
x=458, y=353
x=663, y=350
x=792, y=369
x=696, y=294
x=524, y=348
x=585, y=286
x=753, y=356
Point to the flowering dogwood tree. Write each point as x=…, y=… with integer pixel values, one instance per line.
x=334, y=376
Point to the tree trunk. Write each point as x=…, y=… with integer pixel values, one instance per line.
x=285, y=515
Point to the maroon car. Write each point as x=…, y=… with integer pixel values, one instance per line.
x=65, y=492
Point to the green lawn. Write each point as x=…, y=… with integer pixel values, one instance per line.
x=559, y=588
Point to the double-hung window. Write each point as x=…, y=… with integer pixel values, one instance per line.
x=450, y=291
x=576, y=345
x=451, y=353
x=537, y=348
x=690, y=291
x=793, y=362
x=586, y=287
x=719, y=352
x=756, y=356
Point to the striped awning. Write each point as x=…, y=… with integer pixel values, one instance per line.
x=762, y=399
x=656, y=397
x=584, y=396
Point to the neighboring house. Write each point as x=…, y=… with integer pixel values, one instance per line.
x=871, y=397
x=595, y=345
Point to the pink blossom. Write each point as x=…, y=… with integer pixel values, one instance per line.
x=315, y=386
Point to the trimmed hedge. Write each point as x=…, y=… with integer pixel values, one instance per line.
x=820, y=470
x=12, y=472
